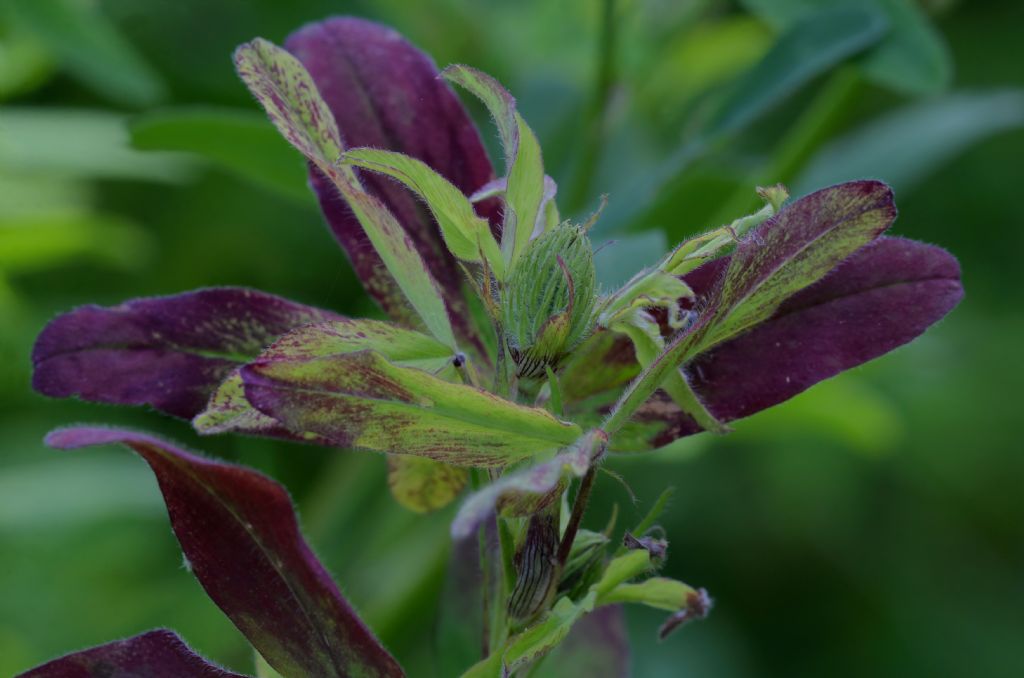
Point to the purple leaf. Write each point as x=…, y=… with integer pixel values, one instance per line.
x=238, y=531
x=385, y=93
x=154, y=654
x=883, y=296
x=166, y=352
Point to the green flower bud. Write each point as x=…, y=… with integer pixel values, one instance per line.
x=548, y=301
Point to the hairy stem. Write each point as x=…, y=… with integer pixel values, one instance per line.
x=578, y=509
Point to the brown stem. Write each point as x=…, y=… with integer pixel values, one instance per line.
x=578, y=509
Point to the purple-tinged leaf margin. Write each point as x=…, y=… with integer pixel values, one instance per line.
x=883, y=296
x=166, y=352
x=238, y=531
x=155, y=654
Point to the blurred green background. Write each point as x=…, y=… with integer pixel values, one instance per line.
x=872, y=526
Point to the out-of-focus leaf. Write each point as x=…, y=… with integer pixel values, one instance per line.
x=361, y=400
x=26, y=61
x=385, y=93
x=40, y=495
x=39, y=196
x=92, y=48
x=907, y=145
x=912, y=57
x=154, y=654
x=237, y=528
x=423, y=485
x=166, y=352
x=811, y=46
x=81, y=143
x=239, y=141
x=228, y=410
x=285, y=89
x=845, y=409
x=596, y=647
x=527, y=492
x=34, y=244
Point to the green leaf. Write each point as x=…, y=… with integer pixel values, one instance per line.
x=906, y=146
x=36, y=243
x=92, y=48
x=285, y=89
x=466, y=234
x=524, y=192
x=913, y=58
x=228, y=409
x=239, y=141
x=811, y=46
x=65, y=143
x=500, y=104
x=423, y=485
x=361, y=400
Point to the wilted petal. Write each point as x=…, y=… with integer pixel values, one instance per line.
x=166, y=352
x=526, y=492
x=238, y=531
x=385, y=93
x=154, y=654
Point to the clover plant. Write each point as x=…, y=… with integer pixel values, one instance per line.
x=503, y=364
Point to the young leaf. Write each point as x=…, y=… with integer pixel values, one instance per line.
x=525, y=186
x=499, y=102
x=466, y=234
x=361, y=400
x=237, y=528
x=287, y=92
x=166, y=352
x=423, y=485
x=385, y=93
x=154, y=654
